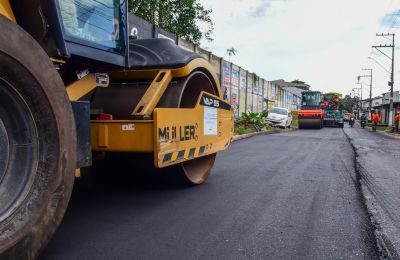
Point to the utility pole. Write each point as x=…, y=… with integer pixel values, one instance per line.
x=391, y=83
x=370, y=87
x=360, y=97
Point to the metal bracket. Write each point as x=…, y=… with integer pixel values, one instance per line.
x=86, y=84
x=153, y=94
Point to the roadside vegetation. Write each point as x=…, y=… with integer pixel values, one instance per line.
x=251, y=123
x=385, y=128
x=382, y=128
x=255, y=122
x=295, y=120
x=186, y=19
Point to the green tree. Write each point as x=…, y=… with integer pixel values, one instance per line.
x=184, y=18
x=298, y=81
x=348, y=103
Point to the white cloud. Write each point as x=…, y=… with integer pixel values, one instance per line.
x=325, y=43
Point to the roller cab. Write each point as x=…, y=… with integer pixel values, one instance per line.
x=311, y=115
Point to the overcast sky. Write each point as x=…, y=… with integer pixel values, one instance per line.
x=324, y=43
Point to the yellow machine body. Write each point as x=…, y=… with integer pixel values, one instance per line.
x=174, y=135
x=5, y=10
x=183, y=134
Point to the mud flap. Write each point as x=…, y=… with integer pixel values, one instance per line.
x=81, y=111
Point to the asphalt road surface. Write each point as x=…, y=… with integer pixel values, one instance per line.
x=292, y=195
x=378, y=169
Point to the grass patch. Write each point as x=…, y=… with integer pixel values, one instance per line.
x=382, y=128
x=386, y=129
x=241, y=130
x=295, y=122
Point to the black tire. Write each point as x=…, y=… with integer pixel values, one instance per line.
x=38, y=134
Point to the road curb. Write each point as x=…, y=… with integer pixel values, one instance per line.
x=390, y=135
x=244, y=136
x=393, y=136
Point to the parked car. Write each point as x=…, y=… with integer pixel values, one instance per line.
x=279, y=116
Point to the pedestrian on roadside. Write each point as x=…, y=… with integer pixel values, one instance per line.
x=351, y=119
x=396, y=123
x=375, y=119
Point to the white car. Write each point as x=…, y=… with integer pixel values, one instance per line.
x=279, y=116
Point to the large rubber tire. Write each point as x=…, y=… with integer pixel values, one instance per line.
x=38, y=145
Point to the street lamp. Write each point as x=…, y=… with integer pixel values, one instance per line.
x=359, y=96
x=370, y=87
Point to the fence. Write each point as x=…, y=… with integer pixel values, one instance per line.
x=244, y=90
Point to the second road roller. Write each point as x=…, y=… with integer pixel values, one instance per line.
x=310, y=115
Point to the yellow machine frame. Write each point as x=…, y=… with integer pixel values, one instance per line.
x=172, y=134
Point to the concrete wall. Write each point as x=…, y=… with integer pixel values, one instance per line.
x=245, y=91
x=242, y=91
x=235, y=81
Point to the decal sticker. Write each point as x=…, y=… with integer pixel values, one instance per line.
x=128, y=127
x=207, y=100
x=188, y=153
x=102, y=78
x=82, y=73
x=210, y=121
x=178, y=133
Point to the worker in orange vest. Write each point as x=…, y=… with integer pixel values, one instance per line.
x=375, y=119
x=396, y=122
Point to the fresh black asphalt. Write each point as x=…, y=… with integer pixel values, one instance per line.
x=292, y=195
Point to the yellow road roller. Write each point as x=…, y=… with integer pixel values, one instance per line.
x=74, y=83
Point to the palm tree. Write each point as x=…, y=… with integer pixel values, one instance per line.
x=230, y=52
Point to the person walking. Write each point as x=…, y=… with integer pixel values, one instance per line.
x=375, y=119
x=396, y=123
x=352, y=119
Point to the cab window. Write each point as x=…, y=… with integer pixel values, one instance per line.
x=99, y=22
